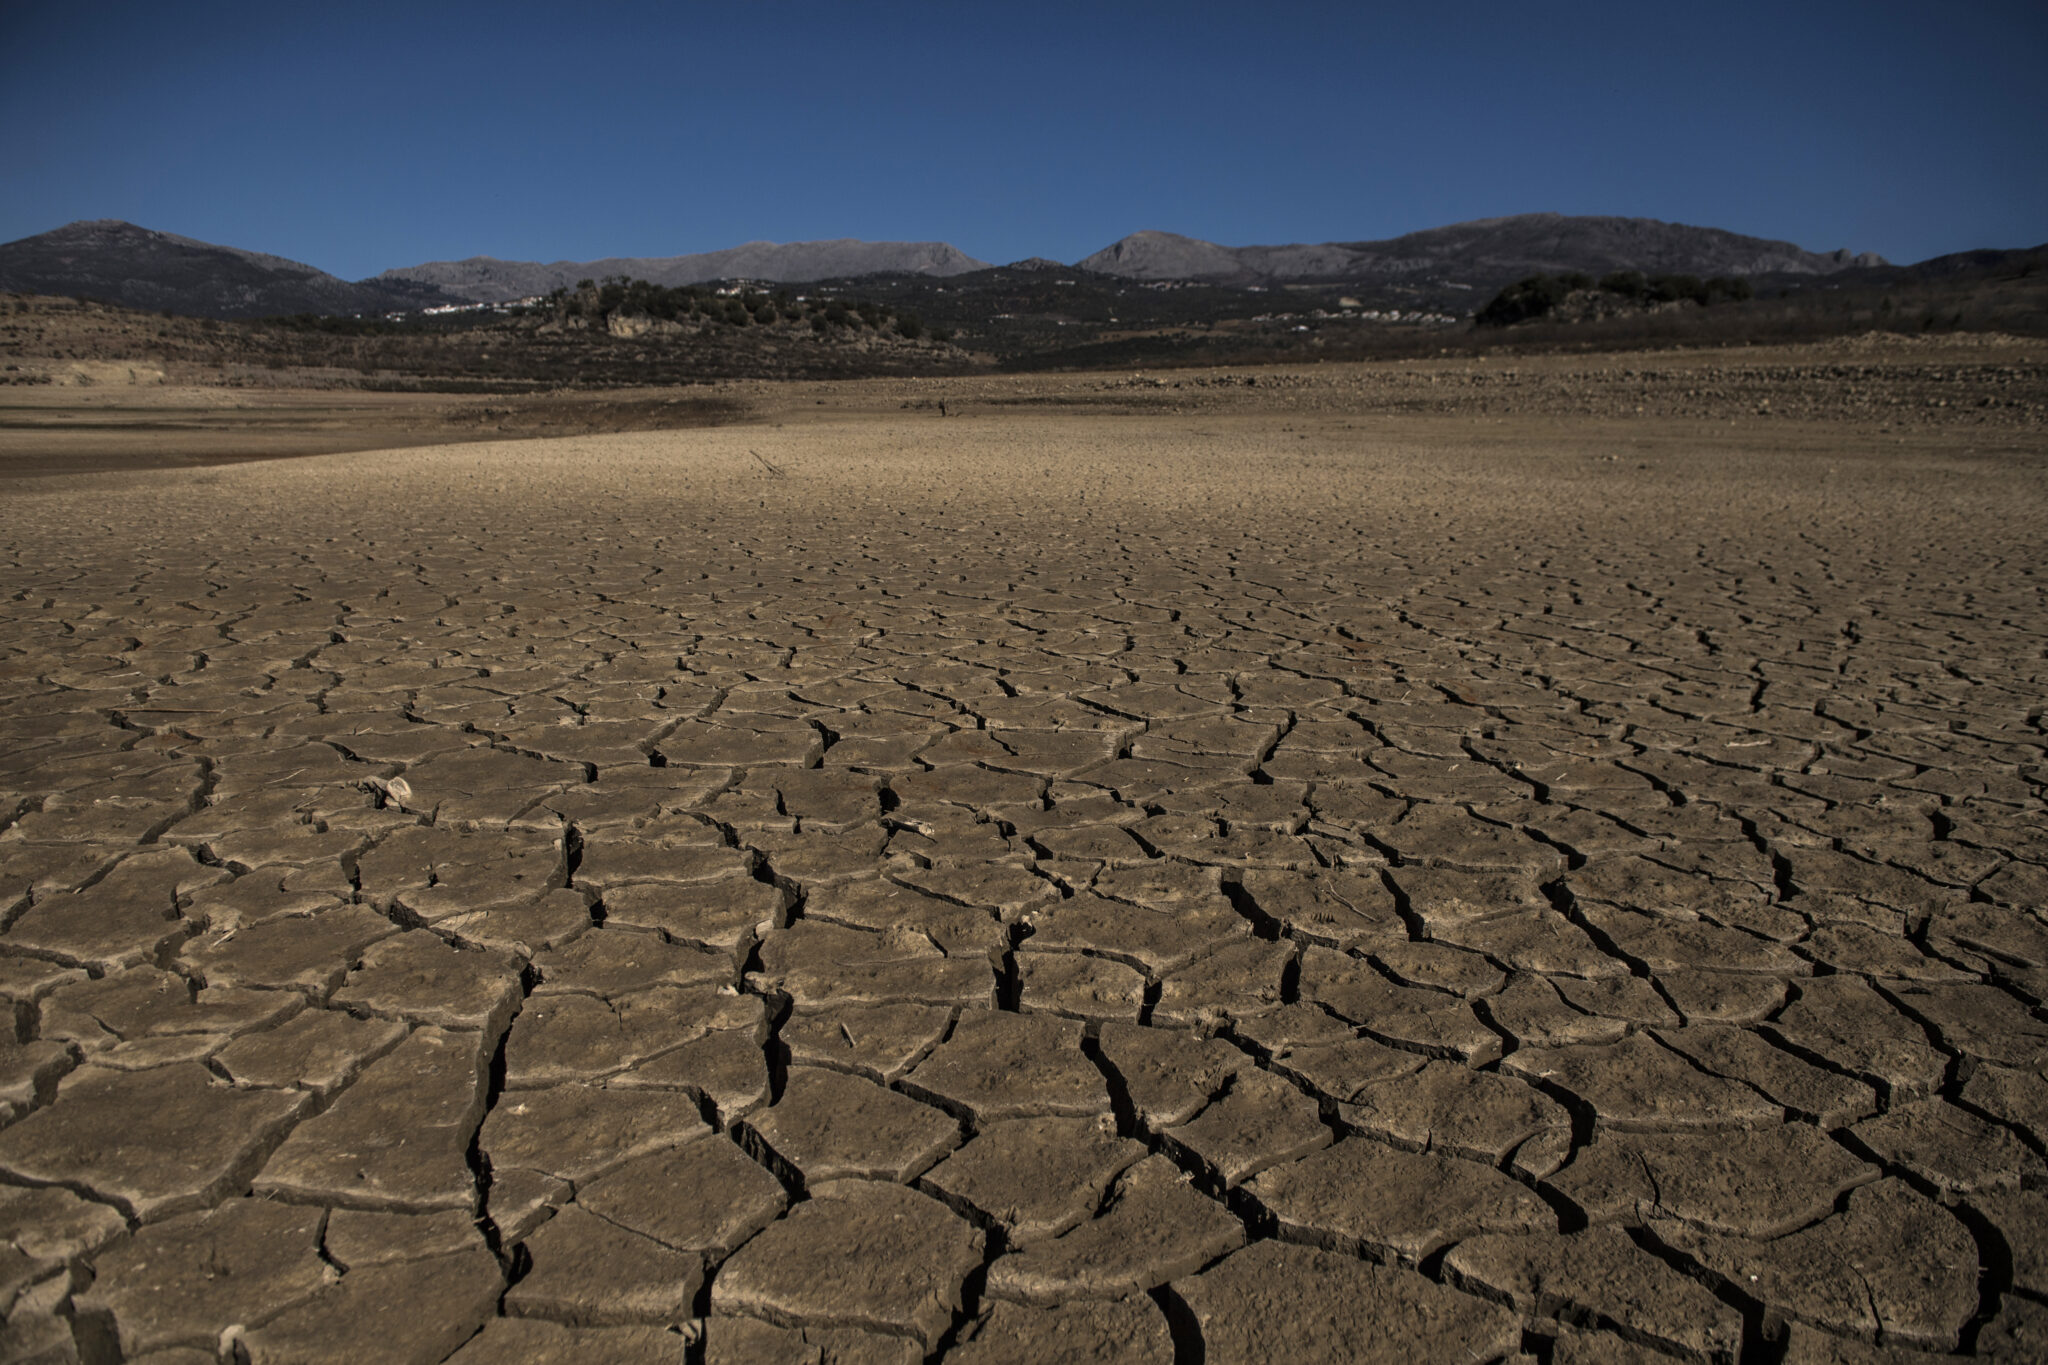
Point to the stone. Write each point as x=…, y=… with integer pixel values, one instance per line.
x=2019, y=1333
x=1152, y=939
x=321, y=1050
x=127, y=918
x=532, y=1341
x=831, y=1126
x=1636, y=1083
x=398, y=1139
x=523, y=928
x=153, y=1143
x=1364, y=1198
x=1658, y=944
x=1808, y=1091
x=1168, y=1076
x=311, y=953
x=824, y=966
x=1890, y=1262
x=1758, y=1183
x=1531, y=1012
x=2021, y=1217
x=423, y=979
x=1534, y=941
x=42, y=1231
x=1845, y=1022
x=612, y=962
x=578, y=1132
x=1334, y=909
x=1034, y=1178
x=1237, y=981
x=560, y=1038
x=355, y=1238
x=881, y=1042
x=878, y=905
x=1599, y=1277
x=1079, y=986
x=1004, y=1066
x=1293, y=1025
x=1959, y=1154
x=1259, y=1120
x=1339, y=1071
x=727, y=1071
x=1272, y=1301
x=1429, y=1021
x=727, y=916
x=1982, y=1022
x=1446, y=1107
x=1442, y=897
x=1154, y=1229
x=29, y=1073
x=881, y=1258
x=519, y=1200
x=587, y=1272
x=1630, y=999
x=750, y=1341
x=1723, y=997
x=405, y=1313
x=145, y=1003
x=688, y=854
x=705, y=1197
x=1126, y=1330
x=2018, y=1098
x=184, y=1280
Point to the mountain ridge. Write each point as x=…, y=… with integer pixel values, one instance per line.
x=138, y=267
x=143, y=268
x=486, y=279
x=1490, y=248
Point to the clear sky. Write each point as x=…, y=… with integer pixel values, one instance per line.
x=362, y=136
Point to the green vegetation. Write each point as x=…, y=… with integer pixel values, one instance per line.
x=595, y=301
x=1540, y=295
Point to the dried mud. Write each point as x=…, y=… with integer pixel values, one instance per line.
x=1274, y=881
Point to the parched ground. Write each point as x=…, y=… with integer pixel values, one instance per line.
x=1236, y=883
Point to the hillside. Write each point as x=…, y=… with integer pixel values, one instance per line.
x=1483, y=254
x=136, y=267
x=485, y=279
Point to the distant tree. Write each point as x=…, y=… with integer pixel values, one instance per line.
x=910, y=326
x=1630, y=284
x=1677, y=288
x=1522, y=301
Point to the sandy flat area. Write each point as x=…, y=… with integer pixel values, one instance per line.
x=1097, y=871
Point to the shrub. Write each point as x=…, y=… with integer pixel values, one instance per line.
x=1674, y=288
x=1523, y=300
x=1630, y=284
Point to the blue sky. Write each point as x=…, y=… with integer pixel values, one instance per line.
x=360, y=137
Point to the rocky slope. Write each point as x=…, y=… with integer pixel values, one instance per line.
x=1485, y=252
x=488, y=280
x=160, y=271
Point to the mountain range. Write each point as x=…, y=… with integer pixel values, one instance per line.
x=141, y=268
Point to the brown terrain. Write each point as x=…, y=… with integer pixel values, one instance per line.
x=1530, y=859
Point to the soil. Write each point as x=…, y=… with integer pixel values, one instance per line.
x=1424, y=861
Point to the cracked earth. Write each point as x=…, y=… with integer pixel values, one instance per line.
x=1032, y=887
